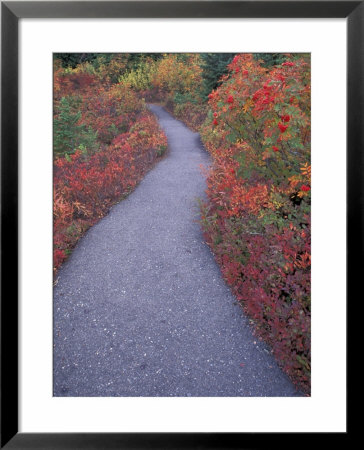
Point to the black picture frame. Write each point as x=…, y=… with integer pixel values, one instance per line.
x=11, y=12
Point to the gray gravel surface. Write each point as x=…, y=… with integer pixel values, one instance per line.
x=140, y=307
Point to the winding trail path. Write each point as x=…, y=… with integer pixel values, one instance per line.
x=140, y=307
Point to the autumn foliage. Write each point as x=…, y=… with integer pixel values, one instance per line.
x=174, y=81
x=105, y=140
x=257, y=217
x=179, y=81
x=256, y=126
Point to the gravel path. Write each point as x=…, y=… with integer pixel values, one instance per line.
x=140, y=307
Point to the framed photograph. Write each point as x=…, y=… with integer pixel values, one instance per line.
x=157, y=199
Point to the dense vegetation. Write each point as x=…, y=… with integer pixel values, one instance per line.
x=257, y=218
x=253, y=114
x=105, y=140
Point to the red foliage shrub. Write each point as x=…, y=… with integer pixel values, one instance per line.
x=192, y=114
x=111, y=111
x=257, y=218
x=68, y=83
